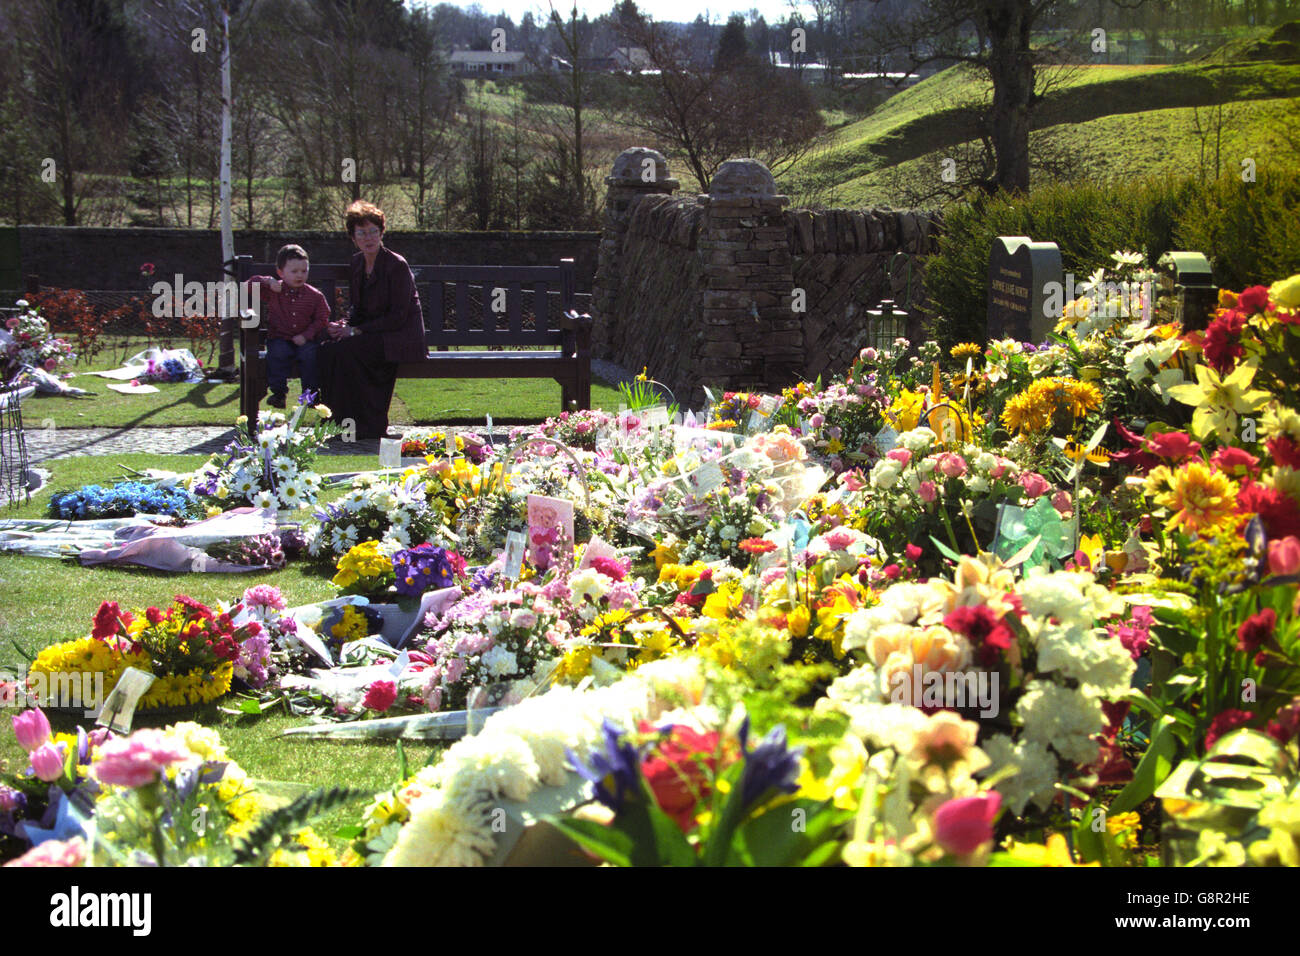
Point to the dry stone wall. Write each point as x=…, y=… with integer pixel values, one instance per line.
x=732, y=290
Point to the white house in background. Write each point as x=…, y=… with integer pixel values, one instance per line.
x=485, y=62
x=631, y=59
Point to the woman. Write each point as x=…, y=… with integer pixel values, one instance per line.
x=358, y=364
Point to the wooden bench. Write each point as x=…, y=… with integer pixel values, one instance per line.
x=478, y=306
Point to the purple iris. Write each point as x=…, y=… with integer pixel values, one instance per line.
x=772, y=765
x=308, y=397
x=619, y=764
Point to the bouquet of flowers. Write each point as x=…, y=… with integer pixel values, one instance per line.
x=491, y=638
x=123, y=500
x=394, y=513
x=272, y=467
x=29, y=342
x=188, y=647
x=576, y=429
x=169, y=370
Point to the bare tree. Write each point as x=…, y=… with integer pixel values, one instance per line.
x=995, y=37
x=710, y=116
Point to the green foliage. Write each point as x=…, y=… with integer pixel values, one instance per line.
x=263, y=839
x=1249, y=231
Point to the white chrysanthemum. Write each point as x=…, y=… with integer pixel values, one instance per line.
x=886, y=472
x=1035, y=780
x=395, y=540
x=549, y=725
x=1088, y=655
x=1059, y=595
x=917, y=440
x=588, y=583
x=443, y=833
x=860, y=685
x=500, y=765
x=1063, y=718
x=500, y=662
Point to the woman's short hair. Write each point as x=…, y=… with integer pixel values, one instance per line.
x=361, y=211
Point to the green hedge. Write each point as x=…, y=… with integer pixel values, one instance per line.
x=1249, y=231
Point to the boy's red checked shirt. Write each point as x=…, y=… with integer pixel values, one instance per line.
x=291, y=312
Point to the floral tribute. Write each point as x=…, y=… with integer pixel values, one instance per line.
x=1003, y=603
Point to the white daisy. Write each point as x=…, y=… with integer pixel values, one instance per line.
x=284, y=467
x=292, y=493
x=264, y=499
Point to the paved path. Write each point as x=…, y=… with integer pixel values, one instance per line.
x=44, y=444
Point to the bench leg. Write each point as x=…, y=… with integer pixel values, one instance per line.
x=252, y=387
x=584, y=387
x=566, y=393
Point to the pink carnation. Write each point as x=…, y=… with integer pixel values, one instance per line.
x=264, y=595
x=137, y=760
x=951, y=464
x=927, y=491
x=900, y=455
x=54, y=853
x=380, y=695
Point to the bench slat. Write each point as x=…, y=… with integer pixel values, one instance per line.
x=462, y=308
x=542, y=307
x=515, y=307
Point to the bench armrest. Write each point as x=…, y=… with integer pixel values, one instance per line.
x=577, y=329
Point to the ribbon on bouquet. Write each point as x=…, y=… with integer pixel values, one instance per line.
x=1017, y=527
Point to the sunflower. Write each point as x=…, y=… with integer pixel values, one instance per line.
x=966, y=350
x=1202, y=499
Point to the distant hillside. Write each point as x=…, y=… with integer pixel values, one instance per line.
x=1100, y=121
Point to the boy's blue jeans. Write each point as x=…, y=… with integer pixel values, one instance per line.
x=280, y=356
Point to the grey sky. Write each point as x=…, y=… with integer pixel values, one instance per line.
x=672, y=10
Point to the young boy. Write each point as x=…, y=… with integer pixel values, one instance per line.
x=295, y=314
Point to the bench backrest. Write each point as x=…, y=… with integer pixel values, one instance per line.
x=467, y=305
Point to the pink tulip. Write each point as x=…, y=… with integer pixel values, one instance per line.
x=32, y=729
x=47, y=762
x=927, y=491
x=1284, y=555
x=963, y=825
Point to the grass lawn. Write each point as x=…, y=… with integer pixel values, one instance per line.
x=416, y=401
x=916, y=124
x=46, y=601
x=1125, y=146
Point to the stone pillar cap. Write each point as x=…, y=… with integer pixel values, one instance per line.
x=630, y=169
x=743, y=179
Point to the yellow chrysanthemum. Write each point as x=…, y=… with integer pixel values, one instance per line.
x=1203, y=501
x=1034, y=410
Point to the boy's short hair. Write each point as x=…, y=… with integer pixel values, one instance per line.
x=362, y=211
x=290, y=252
